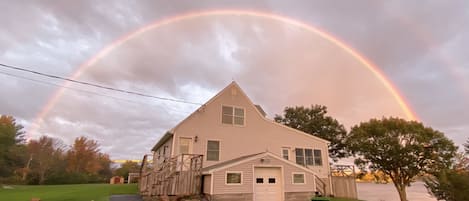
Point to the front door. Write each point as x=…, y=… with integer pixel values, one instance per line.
x=185, y=147
x=267, y=184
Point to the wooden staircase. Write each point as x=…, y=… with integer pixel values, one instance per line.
x=177, y=176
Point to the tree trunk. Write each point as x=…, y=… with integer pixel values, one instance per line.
x=402, y=192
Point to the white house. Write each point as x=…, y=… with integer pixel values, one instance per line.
x=244, y=155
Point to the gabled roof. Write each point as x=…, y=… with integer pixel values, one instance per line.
x=162, y=140
x=258, y=110
x=246, y=158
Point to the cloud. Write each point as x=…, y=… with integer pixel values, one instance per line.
x=277, y=64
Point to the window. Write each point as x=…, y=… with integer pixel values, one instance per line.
x=298, y=178
x=286, y=153
x=213, y=150
x=233, y=178
x=271, y=180
x=184, y=145
x=232, y=115
x=259, y=180
x=300, y=157
x=308, y=157
x=317, y=157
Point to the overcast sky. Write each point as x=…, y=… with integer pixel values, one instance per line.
x=420, y=47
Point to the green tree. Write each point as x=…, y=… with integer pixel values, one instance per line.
x=401, y=149
x=451, y=184
x=126, y=168
x=315, y=121
x=11, y=148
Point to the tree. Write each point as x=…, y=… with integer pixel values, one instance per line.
x=315, y=121
x=83, y=156
x=44, y=155
x=401, y=149
x=11, y=147
x=451, y=184
x=126, y=168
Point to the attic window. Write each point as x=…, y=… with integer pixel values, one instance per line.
x=232, y=115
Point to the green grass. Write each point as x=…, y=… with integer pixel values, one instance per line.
x=76, y=192
x=343, y=199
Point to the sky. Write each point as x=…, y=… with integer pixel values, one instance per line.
x=420, y=48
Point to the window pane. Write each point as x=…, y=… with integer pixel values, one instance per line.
x=226, y=119
x=227, y=110
x=285, y=153
x=317, y=157
x=213, y=145
x=213, y=156
x=271, y=180
x=239, y=120
x=309, y=156
x=233, y=178
x=300, y=159
x=260, y=180
x=184, y=144
x=239, y=112
x=213, y=150
x=298, y=178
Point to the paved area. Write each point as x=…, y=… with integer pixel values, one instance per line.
x=387, y=192
x=125, y=198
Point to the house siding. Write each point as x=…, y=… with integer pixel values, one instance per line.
x=247, y=168
x=257, y=135
x=168, y=144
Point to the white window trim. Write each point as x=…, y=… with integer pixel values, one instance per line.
x=233, y=124
x=230, y=184
x=293, y=178
x=219, y=149
x=289, y=150
x=304, y=156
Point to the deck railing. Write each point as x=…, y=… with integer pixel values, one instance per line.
x=179, y=175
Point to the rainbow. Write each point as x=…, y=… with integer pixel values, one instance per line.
x=179, y=18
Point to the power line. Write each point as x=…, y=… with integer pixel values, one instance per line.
x=97, y=85
x=79, y=90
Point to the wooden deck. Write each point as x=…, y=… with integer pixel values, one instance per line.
x=180, y=175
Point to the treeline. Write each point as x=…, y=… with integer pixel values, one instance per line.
x=48, y=160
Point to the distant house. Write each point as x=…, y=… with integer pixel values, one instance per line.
x=237, y=153
x=116, y=180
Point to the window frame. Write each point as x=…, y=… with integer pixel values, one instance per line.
x=219, y=149
x=288, y=153
x=298, y=173
x=305, y=162
x=233, y=115
x=234, y=172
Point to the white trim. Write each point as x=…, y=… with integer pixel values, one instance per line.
x=234, y=108
x=260, y=156
x=293, y=178
x=219, y=150
x=304, y=155
x=233, y=172
x=289, y=150
x=172, y=145
x=211, y=184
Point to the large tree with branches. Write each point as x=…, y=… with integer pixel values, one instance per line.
x=401, y=149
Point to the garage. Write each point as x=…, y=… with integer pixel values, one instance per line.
x=267, y=184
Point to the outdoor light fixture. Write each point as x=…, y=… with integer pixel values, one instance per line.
x=196, y=138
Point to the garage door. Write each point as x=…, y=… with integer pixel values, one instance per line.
x=267, y=184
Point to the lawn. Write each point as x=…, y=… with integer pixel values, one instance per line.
x=76, y=192
x=343, y=199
